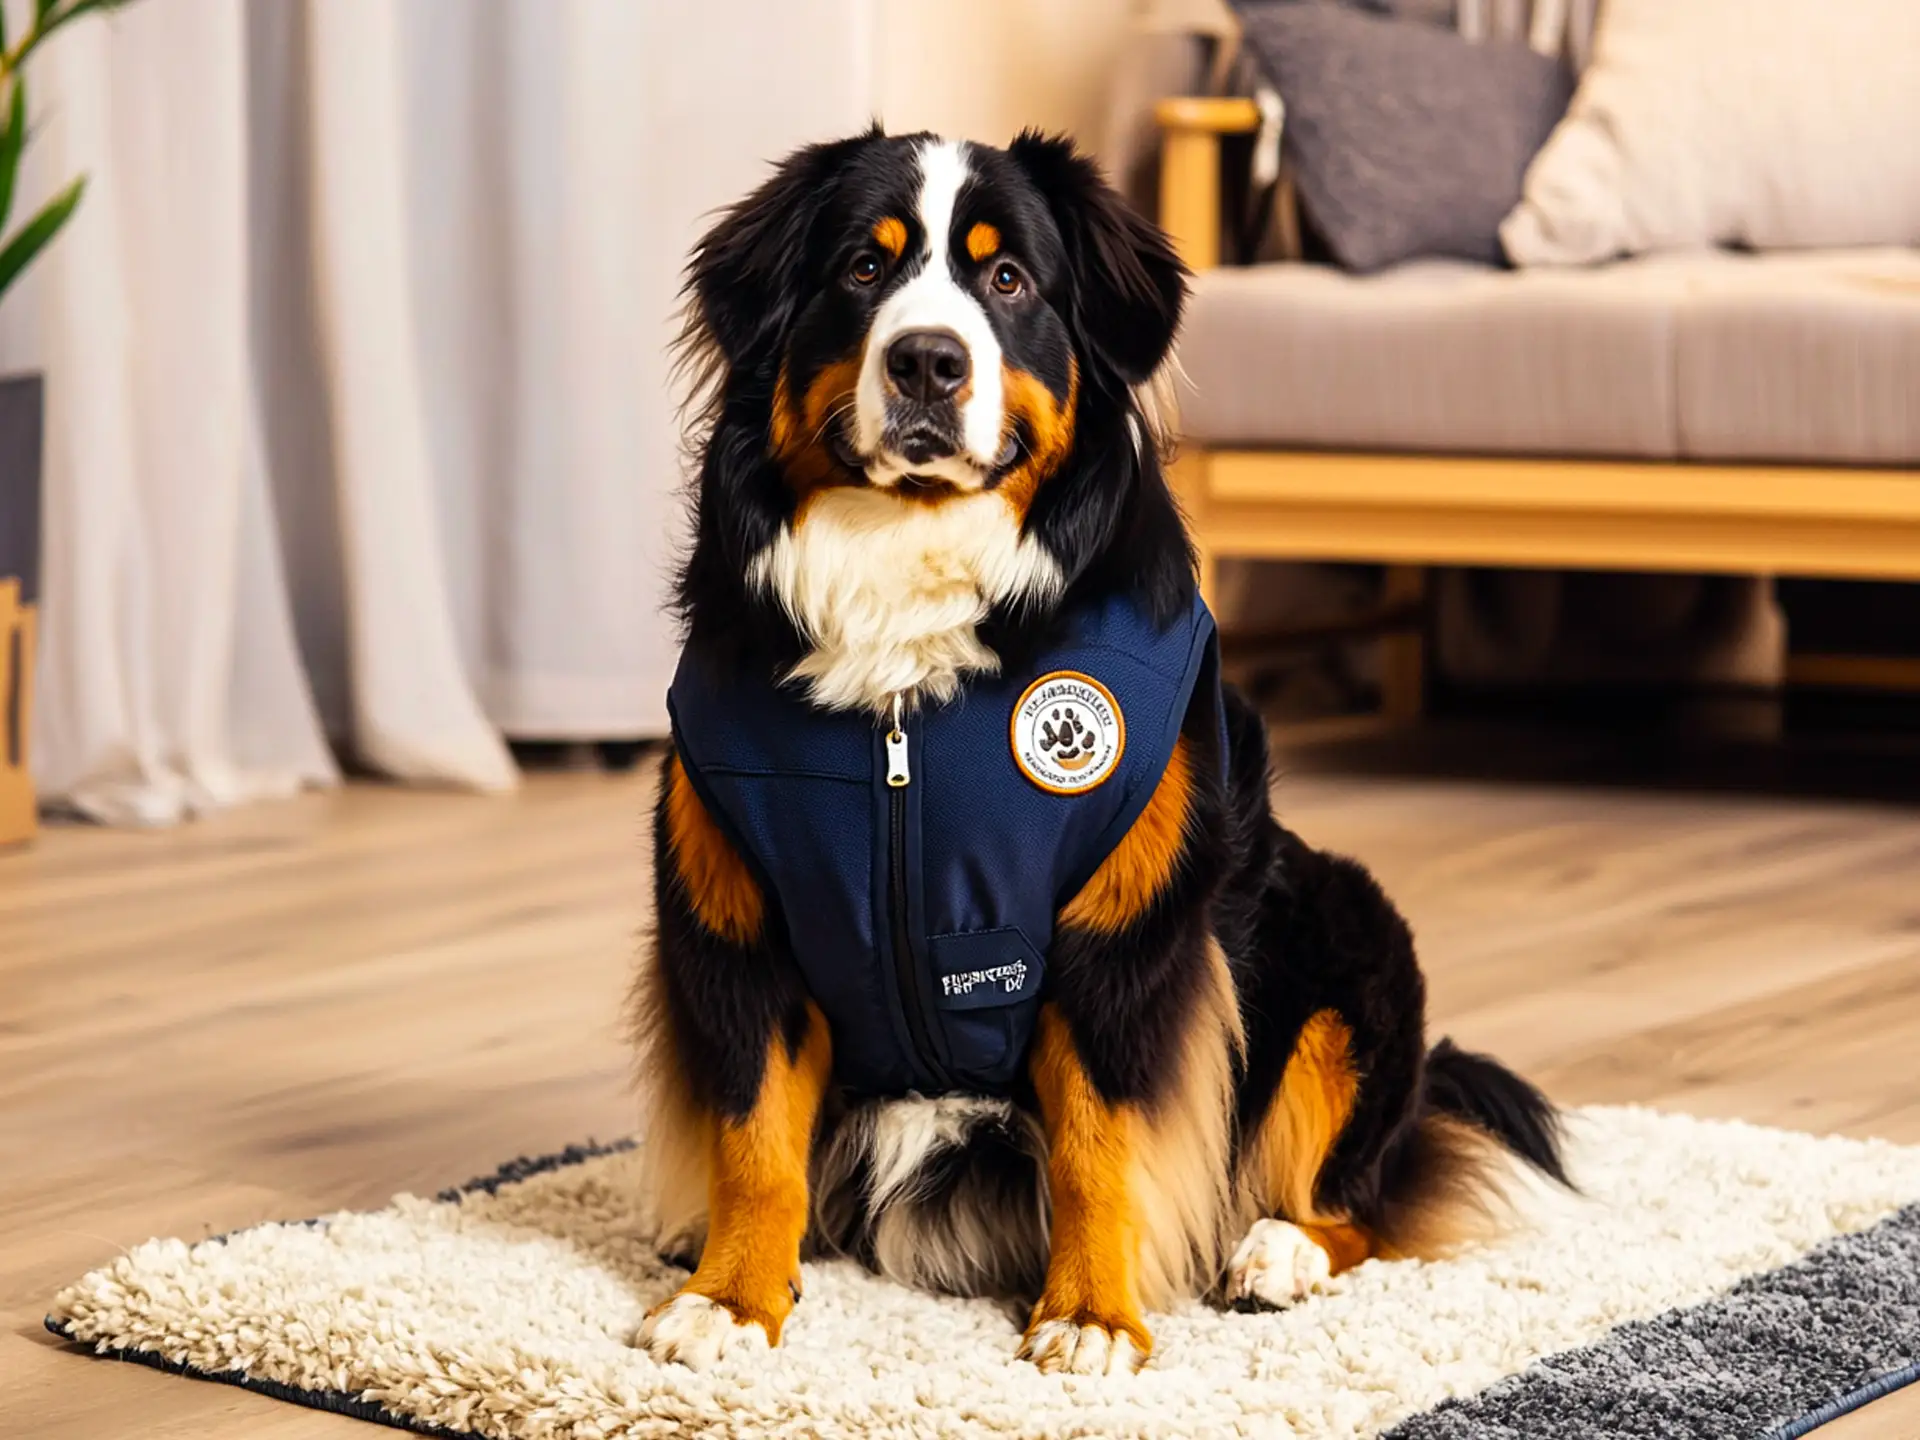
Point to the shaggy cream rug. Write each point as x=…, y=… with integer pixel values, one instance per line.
x=505, y=1310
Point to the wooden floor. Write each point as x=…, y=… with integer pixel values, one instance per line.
x=305, y=1006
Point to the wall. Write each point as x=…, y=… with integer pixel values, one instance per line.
x=984, y=69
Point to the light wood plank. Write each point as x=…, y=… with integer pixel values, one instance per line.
x=1549, y=539
x=1191, y=128
x=1221, y=114
x=1584, y=514
x=1498, y=484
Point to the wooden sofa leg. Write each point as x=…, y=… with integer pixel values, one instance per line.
x=1403, y=669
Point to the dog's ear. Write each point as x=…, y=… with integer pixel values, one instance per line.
x=744, y=280
x=1129, y=286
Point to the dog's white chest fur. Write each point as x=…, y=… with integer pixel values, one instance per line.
x=888, y=591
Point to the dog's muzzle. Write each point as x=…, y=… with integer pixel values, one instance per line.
x=927, y=380
x=925, y=367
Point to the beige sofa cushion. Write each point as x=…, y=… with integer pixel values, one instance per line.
x=1804, y=357
x=1711, y=356
x=1433, y=355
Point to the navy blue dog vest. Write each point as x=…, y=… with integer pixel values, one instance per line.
x=917, y=870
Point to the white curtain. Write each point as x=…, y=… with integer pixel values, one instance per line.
x=358, y=407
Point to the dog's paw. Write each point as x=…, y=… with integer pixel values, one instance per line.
x=1276, y=1265
x=697, y=1332
x=1070, y=1347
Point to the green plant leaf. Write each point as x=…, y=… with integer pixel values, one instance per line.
x=33, y=236
x=49, y=17
x=12, y=138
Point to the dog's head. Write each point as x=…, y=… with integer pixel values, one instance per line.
x=926, y=323
x=926, y=308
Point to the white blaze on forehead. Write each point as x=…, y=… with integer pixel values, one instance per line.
x=934, y=299
x=943, y=171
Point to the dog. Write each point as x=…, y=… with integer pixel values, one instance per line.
x=979, y=955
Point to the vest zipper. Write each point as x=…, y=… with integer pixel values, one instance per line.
x=906, y=967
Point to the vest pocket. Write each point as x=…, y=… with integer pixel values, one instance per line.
x=987, y=986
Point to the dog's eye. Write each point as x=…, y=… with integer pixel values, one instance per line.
x=865, y=268
x=1006, y=279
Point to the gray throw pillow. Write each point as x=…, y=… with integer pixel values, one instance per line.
x=1405, y=139
x=1431, y=12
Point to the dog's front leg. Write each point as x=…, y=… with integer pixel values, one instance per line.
x=1088, y=1319
x=746, y=1059
x=749, y=1272
x=1133, y=1048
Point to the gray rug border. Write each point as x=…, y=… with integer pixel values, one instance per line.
x=341, y=1402
x=333, y=1402
x=1692, y=1337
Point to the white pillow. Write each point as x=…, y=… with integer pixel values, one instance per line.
x=1779, y=124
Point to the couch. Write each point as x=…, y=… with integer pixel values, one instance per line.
x=1708, y=411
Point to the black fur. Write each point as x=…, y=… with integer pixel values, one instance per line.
x=1308, y=931
x=1302, y=931
x=748, y=276
x=1128, y=997
x=1108, y=516
x=763, y=288
x=996, y=1169
x=1125, y=285
x=1484, y=1092
x=724, y=1002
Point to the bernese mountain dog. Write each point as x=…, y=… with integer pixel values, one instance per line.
x=979, y=956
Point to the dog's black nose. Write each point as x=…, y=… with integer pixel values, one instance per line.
x=928, y=365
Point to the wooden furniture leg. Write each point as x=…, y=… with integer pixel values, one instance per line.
x=1403, y=664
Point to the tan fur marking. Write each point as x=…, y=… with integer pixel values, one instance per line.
x=1183, y=1144
x=797, y=436
x=983, y=240
x=679, y=1133
x=1312, y=1107
x=784, y=420
x=1138, y=869
x=719, y=887
x=757, y=1190
x=1345, y=1245
x=1091, y=1273
x=1458, y=1194
x=1049, y=430
x=890, y=234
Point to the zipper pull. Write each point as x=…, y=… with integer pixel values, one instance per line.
x=898, y=774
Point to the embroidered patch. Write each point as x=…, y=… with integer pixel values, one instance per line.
x=1010, y=978
x=985, y=969
x=1068, y=732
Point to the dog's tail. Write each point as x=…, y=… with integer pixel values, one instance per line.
x=1450, y=1179
x=1481, y=1091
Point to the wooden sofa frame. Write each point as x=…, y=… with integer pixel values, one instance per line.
x=1410, y=511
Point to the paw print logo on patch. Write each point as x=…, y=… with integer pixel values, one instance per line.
x=1067, y=739
x=1068, y=733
